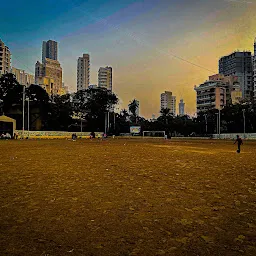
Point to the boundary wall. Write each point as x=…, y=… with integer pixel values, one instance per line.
x=55, y=134
x=248, y=136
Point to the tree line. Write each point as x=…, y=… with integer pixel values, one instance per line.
x=94, y=110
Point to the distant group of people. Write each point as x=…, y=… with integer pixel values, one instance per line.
x=5, y=136
x=92, y=136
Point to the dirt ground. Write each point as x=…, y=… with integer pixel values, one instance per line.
x=127, y=197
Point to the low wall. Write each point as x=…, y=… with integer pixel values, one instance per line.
x=249, y=136
x=54, y=134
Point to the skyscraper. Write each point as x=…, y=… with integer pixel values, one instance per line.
x=181, y=108
x=83, y=72
x=49, y=50
x=168, y=101
x=5, y=59
x=239, y=64
x=105, y=78
x=254, y=70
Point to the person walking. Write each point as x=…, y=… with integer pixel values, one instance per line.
x=239, y=143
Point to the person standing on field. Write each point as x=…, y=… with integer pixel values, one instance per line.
x=239, y=143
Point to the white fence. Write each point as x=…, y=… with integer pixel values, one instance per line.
x=54, y=134
x=249, y=136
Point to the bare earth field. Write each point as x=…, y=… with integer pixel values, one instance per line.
x=127, y=197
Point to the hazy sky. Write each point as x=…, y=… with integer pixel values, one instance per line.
x=139, y=39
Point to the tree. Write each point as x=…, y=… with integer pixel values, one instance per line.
x=122, y=124
x=133, y=108
x=60, y=113
x=93, y=104
x=10, y=91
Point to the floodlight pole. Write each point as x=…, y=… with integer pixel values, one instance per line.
x=206, y=130
x=23, y=112
x=105, y=122
x=219, y=123
x=217, y=127
x=108, y=120
x=114, y=121
x=28, y=117
x=244, y=121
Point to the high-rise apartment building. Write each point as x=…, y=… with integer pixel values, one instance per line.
x=217, y=92
x=168, y=101
x=5, y=59
x=52, y=71
x=22, y=77
x=105, y=78
x=181, y=108
x=239, y=64
x=210, y=95
x=49, y=50
x=48, y=74
x=254, y=71
x=83, y=72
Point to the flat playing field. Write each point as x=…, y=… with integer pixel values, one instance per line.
x=127, y=197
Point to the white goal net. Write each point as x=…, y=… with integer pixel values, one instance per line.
x=159, y=134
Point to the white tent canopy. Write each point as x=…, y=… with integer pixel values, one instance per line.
x=7, y=119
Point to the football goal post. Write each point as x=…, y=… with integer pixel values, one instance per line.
x=156, y=134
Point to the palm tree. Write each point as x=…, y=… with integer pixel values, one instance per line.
x=133, y=108
x=165, y=113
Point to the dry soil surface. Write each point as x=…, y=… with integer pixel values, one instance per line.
x=127, y=197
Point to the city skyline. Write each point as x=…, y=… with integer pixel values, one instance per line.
x=139, y=41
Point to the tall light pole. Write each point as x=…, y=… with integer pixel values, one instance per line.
x=28, y=116
x=219, y=123
x=106, y=123
x=217, y=126
x=206, y=129
x=23, y=112
x=244, y=121
x=108, y=120
x=114, y=121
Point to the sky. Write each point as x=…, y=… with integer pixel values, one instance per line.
x=152, y=45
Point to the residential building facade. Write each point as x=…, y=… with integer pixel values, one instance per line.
x=5, y=59
x=210, y=95
x=168, y=101
x=83, y=72
x=254, y=71
x=46, y=83
x=22, y=77
x=239, y=64
x=49, y=50
x=232, y=85
x=181, y=108
x=52, y=70
x=105, y=77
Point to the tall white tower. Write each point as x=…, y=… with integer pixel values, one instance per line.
x=168, y=101
x=105, y=78
x=181, y=108
x=83, y=72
